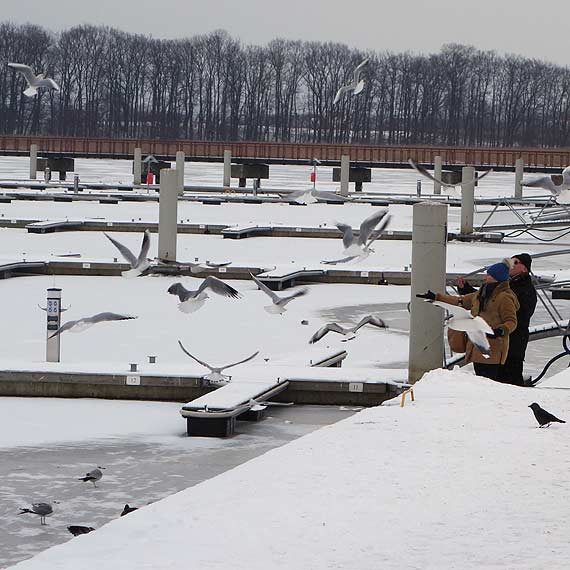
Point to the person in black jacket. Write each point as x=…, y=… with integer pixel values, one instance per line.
x=511, y=372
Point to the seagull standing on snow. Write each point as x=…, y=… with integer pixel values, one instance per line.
x=357, y=84
x=347, y=332
x=34, y=81
x=87, y=322
x=476, y=328
x=424, y=172
x=557, y=184
x=138, y=264
x=43, y=510
x=94, y=475
x=215, y=375
x=192, y=300
x=278, y=304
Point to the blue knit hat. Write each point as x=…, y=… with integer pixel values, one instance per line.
x=499, y=271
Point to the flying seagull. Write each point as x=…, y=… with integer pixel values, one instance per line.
x=82, y=324
x=424, y=172
x=278, y=304
x=94, y=475
x=476, y=328
x=138, y=264
x=556, y=183
x=192, y=300
x=215, y=375
x=350, y=332
x=76, y=530
x=312, y=196
x=34, y=81
x=543, y=417
x=128, y=509
x=43, y=510
x=357, y=84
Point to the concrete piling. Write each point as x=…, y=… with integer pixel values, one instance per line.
x=137, y=167
x=227, y=168
x=167, y=215
x=519, y=173
x=33, y=161
x=344, y=174
x=429, y=244
x=467, y=199
x=437, y=174
x=180, y=170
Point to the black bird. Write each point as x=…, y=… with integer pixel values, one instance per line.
x=128, y=510
x=543, y=417
x=76, y=530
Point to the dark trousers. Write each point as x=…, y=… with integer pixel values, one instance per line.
x=487, y=370
x=511, y=372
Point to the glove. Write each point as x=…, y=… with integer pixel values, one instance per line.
x=499, y=331
x=430, y=295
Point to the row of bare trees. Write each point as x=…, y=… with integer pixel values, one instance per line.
x=212, y=87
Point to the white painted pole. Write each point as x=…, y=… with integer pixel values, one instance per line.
x=519, y=173
x=227, y=168
x=167, y=214
x=429, y=239
x=53, y=321
x=437, y=174
x=467, y=199
x=137, y=167
x=33, y=161
x=344, y=174
x=180, y=170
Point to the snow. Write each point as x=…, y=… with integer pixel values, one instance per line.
x=47, y=421
x=442, y=483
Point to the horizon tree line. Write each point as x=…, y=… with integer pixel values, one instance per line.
x=213, y=87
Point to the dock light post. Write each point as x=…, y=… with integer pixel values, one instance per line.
x=429, y=241
x=467, y=199
x=137, y=167
x=437, y=174
x=33, y=161
x=344, y=174
x=167, y=214
x=519, y=173
x=53, y=322
x=180, y=170
x=227, y=168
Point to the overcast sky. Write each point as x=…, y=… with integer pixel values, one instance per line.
x=537, y=29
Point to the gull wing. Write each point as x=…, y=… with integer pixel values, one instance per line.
x=455, y=310
x=358, y=72
x=424, y=172
x=376, y=233
x=330, y=327
x=144, y=248
x=107, y=316
x=480, y=340
x=359, y=87
x=25, y=70
x=368, y=225
x=344, y=89
x=49, y=82
x=123, y=250
x=65, y=327
x=218, y=286
x=299, y=293
x=241, y=361
x=337, y=261
x=347, y=235
x=371, y=320
x=194, y=358
x=275, y=298
x=215, y=265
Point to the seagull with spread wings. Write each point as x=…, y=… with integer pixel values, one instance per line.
x=350, y=332
x=83, y=324
x=278, y=304
x=357, y=84
x=34, y=81
x=138, y=264
x=557, y=184
x=476, y=328
x=424, y=172
x=192, y=300
x=215, y=375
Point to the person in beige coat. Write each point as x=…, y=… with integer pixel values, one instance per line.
x=497, y=305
